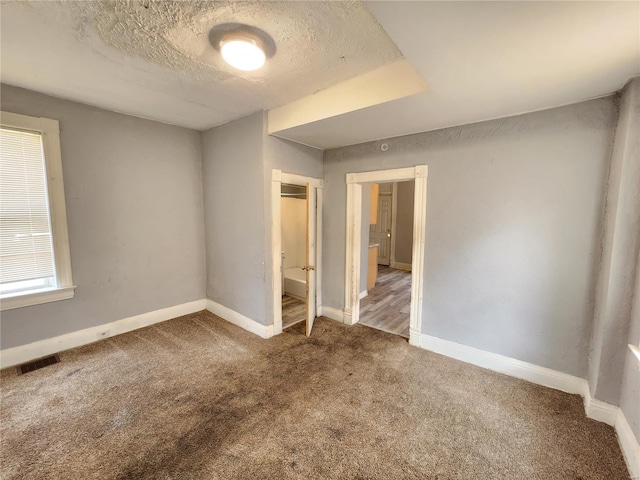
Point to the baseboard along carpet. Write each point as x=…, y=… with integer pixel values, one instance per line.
x=199, y=398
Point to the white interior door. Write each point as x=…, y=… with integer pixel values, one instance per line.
x=380, y=233
x=310, y=265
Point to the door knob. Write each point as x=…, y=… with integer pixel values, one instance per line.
x=388, y=235
x=308, y=267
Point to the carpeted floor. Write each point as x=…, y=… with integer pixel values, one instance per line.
x=198, y=398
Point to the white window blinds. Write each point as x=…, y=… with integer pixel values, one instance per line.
x=26, y=249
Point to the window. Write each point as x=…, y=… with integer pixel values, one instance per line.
x=35, y=265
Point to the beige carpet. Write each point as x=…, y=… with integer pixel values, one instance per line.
x=198, y=398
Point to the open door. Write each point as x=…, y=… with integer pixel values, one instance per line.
x=310, y=267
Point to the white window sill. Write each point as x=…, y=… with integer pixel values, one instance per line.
x=19, y=300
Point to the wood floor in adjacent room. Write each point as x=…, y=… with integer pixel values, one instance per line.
x=387, y=305
x=199, y=398
x=293, y=311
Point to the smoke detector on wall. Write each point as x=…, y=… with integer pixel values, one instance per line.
x=243, y=47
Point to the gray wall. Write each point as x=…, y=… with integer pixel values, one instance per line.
x=133, y=192
x=514, y=215
x=290, y=157
x=514, y=221
x=237, y=161
x=234, y=222
x=616, y=313
x=404, y=222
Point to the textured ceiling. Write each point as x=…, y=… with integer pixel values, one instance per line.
x=153, y=59
x=484, y=60
x=479, y=60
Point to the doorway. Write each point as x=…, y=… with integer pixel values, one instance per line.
x=296, y=204
x=293, y=208
x=355, y=182
x=387, y=228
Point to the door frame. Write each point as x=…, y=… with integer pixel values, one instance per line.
x=354, y=181
x=278, y=177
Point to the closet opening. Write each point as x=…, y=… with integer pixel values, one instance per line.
x=293, y=208
x=296, y=203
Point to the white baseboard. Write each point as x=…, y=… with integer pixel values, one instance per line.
x=333, y=313
x=598, y=410
x=25, y=353
x=246, y=323
x=594, y=409
x=401, y=266
x=509, y=366
x=629, y=444
x=364, y=294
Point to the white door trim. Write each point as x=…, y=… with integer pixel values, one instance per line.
x=279, y=177
x=418, y=173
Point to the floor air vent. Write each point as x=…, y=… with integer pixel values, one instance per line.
x=37, y=364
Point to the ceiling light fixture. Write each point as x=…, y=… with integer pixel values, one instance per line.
x=243, y=47
x=245, y=54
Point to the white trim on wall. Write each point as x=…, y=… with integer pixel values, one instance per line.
x=240, y=320
x=25, y=353
x=417, y=255
x=333, y=314
x=279, y=177
x=594, y=409
x=598, y=410
x=27, y=299
x=353, y=233
x=352, y=256
x=628, y=444
x=31, y=351
x=509, y=366
x=383, y=176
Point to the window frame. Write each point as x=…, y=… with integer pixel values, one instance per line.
x=49, y=130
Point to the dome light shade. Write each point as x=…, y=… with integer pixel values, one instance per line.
x=243, y=54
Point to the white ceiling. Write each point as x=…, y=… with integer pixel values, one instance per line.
x=157, y=62
x=485, y=60
x=479, y=60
